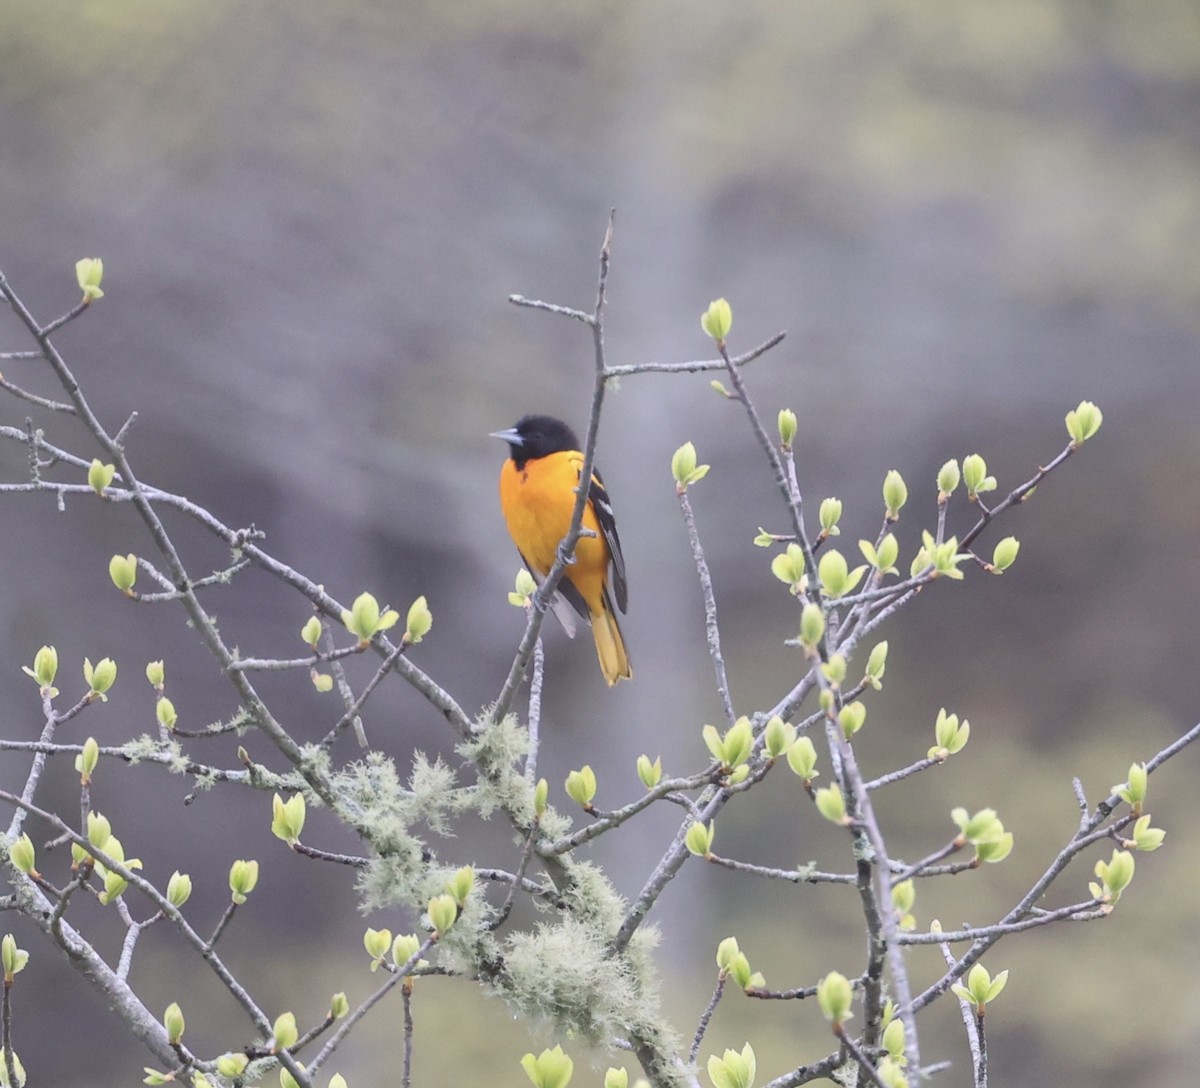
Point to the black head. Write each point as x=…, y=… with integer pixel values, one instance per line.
x=537, y=436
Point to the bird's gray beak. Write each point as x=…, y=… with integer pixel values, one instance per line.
x=510, y=436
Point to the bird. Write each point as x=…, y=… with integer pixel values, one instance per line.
x=538, y=484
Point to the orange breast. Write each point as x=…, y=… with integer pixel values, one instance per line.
x=537, y=501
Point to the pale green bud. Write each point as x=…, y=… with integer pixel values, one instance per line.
x=835, y=996
x=86, y=761
x=1005, y=554
x=834, y=670
x=22, y=854
x=173, y=1022
x=700, y=838
x=779, y=736
x=524, y=588
x=377, y=942
x=179, y=888
x=541, y=794
x=877, y=665
x=1115, y=875
x=89, y=273
x=443, y=912
x=829, y=514
x=733, y=1069
x=311, y=631
x=122, y=569
x=948, y=479
x=461, y=883
x=616, y=1078
x=981, y=987
x=802, y=758
x=404, y=947
x=895, y=494
x=321, y=681
x=339, y=1006
x=45, y=666
x=101, y=676
x=99, y=830
x=1133, y=791
x=975, y=476
x=996, y=849
x=812, y=625
x=243, y=875
x=893, y=1039
x=164, y=711
x=284, y=1034
x=581, y=786
x=1145, y=837
x=727, y=950
x=851, y=718
x=1083, y=422
x=100, y=475
x=156, y=674
x=789, y=567
x=232, y=1066
x=419, y=623
x=649, y=773
x=717, y=320
x=831, y=804
x=550, y=1069
x=787, y=427
x=883, y=558
x=836, y=577
x=287, y=818
x=364, y=618
x=684, y=467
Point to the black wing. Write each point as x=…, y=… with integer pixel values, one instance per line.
x=602, y=505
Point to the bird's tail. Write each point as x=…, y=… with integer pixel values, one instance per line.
x=610, y=646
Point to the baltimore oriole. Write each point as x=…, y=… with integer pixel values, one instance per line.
x=537, y=495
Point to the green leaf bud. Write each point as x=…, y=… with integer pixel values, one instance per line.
x=286, y=1080
x=86, y=761
x=944, y=557
x=364, y=618
x=834, y=670
x=812, y=626
x=311, y=631
x=836, y=578
x=337, y=1081
x=789, y=568
x=829, y=514
x=718, y=387
x=732, y=749
x=1145, y=837
x=851, y=718
x=684, y=468
x=948, y=479
x=763, y=539
x=700, y=838
x=733, y=1069
x=14, y=958
x=173, y=1022
x=284, y=1034
x=1133, y=791
x=739, y=970
x=378, y=943
x=802, y=758
x=835, y=996
x=100, y=475
x=981, y=987
x=179, y=889
x=877, y=664
x=122, y=569
x=717, y=320
x=419, y=622
x=727, y=950
x=152, y=1077
x=339, y=1006
x=1004, y=554
x=164, y=711
x=895, y=494
x=616, y=1078
x=232, y=1066
x=45, y=667
x=581, y=785
x=984, y=826
x=883, y=558
x=787, y=427
x=950, y=736
x=404, y=947
x=524, y=588
x=1083, y=422
x=100, y=677
x=649, y=773
x=1115, y=875
x=243, y=875
x=22, y=854
x=893, y=1039
x=287, y=818
x=443, y=912
x=541, y=793
x=550, y=1069
x=975, y=476
x=996, y=849
x=460, y=884
x=99, y=830
x=322, y=682
x=832, y=805
x=156, y=674
x=18, y=1068
x=89, y=274
x=904, y=895
x=779, y=736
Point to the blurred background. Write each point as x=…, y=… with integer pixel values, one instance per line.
x=967, y=215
